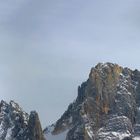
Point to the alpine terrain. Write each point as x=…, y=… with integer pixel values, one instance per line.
x=15, y=124
x=107, y=107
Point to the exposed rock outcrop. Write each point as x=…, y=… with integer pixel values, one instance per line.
x=107, y=106
x=34, y=127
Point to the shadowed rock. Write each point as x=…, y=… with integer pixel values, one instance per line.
x=34, y=127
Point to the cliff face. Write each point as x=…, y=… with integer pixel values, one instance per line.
x=15, y=124
x=34, y=127
x=107, y=107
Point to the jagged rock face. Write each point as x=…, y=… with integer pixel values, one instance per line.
x=15, y=124
x=106, y=108
x=34, y=127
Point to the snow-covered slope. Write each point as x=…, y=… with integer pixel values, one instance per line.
x=15, y=124
x=136, y=138
x=13, y=120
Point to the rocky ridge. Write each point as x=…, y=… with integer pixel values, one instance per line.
x=15, y=124
x=107, y=107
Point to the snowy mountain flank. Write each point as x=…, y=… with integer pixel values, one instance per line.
x=15, y=124
x=107, y=107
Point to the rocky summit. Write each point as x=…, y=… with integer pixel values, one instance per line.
x=15, y=124
x=107, y=107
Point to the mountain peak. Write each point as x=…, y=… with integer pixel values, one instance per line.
x=106, y=64
x=35, y=131
x=106, y=68
x=106, y=106
x=15, y=123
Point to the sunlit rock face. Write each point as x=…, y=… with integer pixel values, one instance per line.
x=107, y=107
x=15, y=124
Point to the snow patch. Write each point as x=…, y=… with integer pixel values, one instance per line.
x=89, y=131
x=136, y=138
x=110, y=135
x=8, y=135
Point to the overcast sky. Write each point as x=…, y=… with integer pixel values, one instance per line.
x=47, y=48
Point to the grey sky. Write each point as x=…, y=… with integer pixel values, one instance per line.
x=47, y=48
